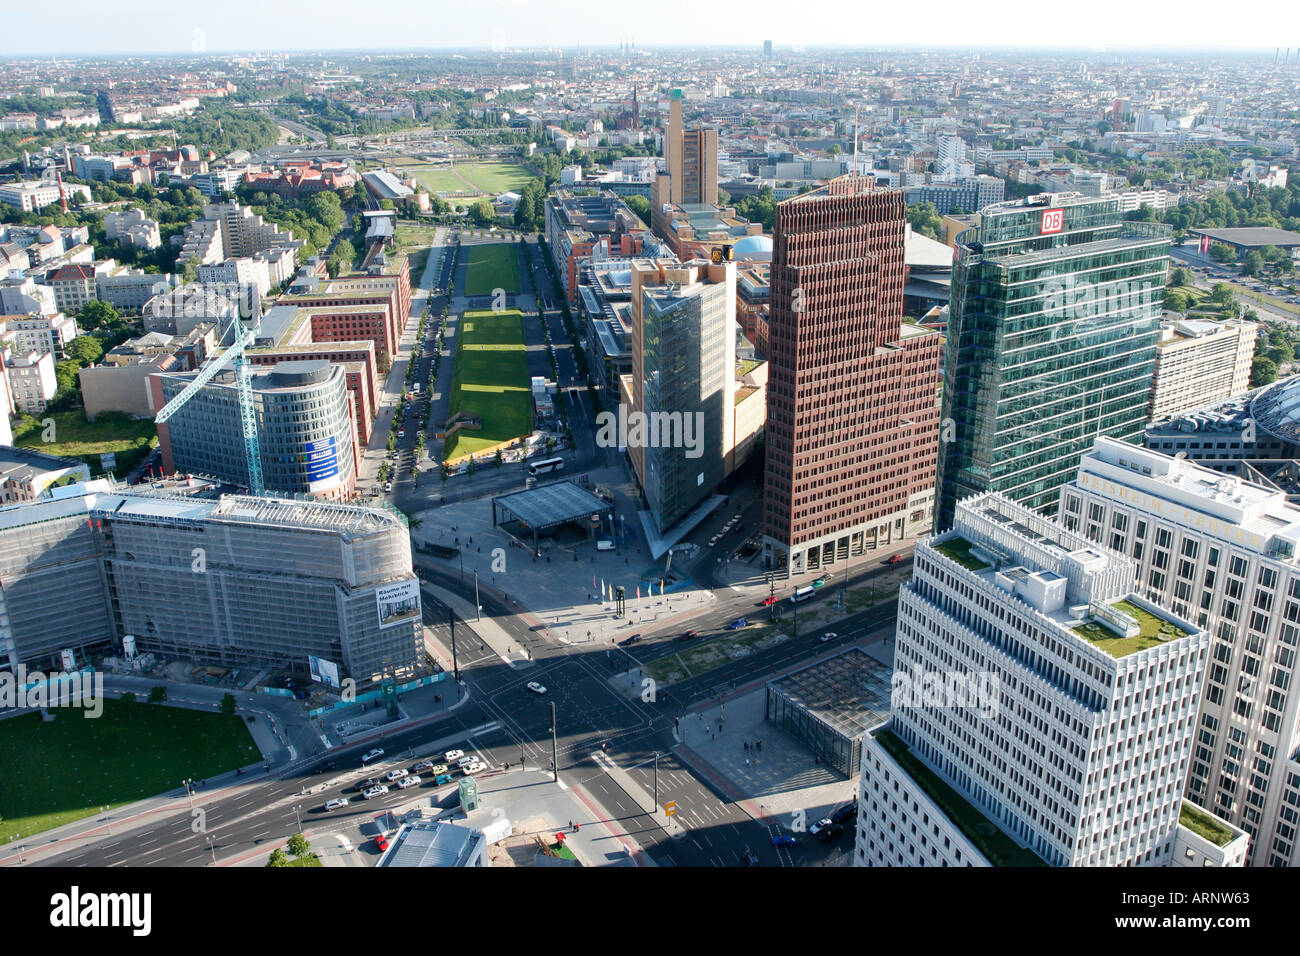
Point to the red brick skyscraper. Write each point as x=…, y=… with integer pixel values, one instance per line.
x=852, y=400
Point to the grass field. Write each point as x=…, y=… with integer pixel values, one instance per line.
x=487, y=179
x=57, y=772
x=75, y=437
x=492, y=267
x=491, y=380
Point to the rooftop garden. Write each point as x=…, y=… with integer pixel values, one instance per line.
x=1154, y=631
x=958, y=549
x=1202, y=824
x=997, y=847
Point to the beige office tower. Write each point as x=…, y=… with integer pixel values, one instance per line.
x=692, y=160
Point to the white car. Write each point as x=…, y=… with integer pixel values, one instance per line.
x=536, y=688
x=466, y=760
x=372, y=755
x=397, y=774
x=376, y=791
x=336, y=804
x=453, y=755
x=829, y=636
x=472, y=768
x=409, y=782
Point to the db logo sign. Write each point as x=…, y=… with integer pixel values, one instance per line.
x=1053, y=221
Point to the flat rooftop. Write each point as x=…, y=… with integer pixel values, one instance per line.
x=1252, y=236
x=850, y=692
x=550, y=505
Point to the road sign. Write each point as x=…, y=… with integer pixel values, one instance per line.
x=670, y=808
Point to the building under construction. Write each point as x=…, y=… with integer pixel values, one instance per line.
x=232, y=581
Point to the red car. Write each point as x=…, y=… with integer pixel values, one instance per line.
x=687, y=635
x=381, y=843
x=769, y=601
x=893, y=559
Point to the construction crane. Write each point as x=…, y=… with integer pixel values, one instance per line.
x=244, y=337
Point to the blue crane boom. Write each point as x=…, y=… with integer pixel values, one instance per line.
x=235, y=355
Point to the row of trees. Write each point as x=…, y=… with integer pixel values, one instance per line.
x=315, y=219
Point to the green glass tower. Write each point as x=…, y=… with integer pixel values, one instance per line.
x=1052, y=332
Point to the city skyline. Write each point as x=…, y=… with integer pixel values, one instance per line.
x=535, y=26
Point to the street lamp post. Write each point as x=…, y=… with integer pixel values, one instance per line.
x=656, y=781
x=478, y=608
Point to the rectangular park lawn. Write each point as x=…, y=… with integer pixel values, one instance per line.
x=490, y=380
x=56, y=772
x=493, y=267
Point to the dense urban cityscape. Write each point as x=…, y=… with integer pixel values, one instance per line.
x=942, y=406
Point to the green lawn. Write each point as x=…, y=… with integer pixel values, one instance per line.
x=491, y=380
x=57, y=772
x=959, y=550
x=74, y=437
x=492, y=267
x=1199, y=822
x=1153, y=632
x=488, y=179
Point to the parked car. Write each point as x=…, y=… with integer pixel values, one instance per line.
x=397, y=774
x=688, y=635
x=371, y=756
x=536, y=688
x=376, y=791
x=409, y=781
x=737, y=624
x=451, y=756
x=785, y=839
x=336, y=804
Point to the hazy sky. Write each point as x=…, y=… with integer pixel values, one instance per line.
x=79, y=26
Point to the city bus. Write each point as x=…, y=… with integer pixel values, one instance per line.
x=545, y=466
x=802, y=594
